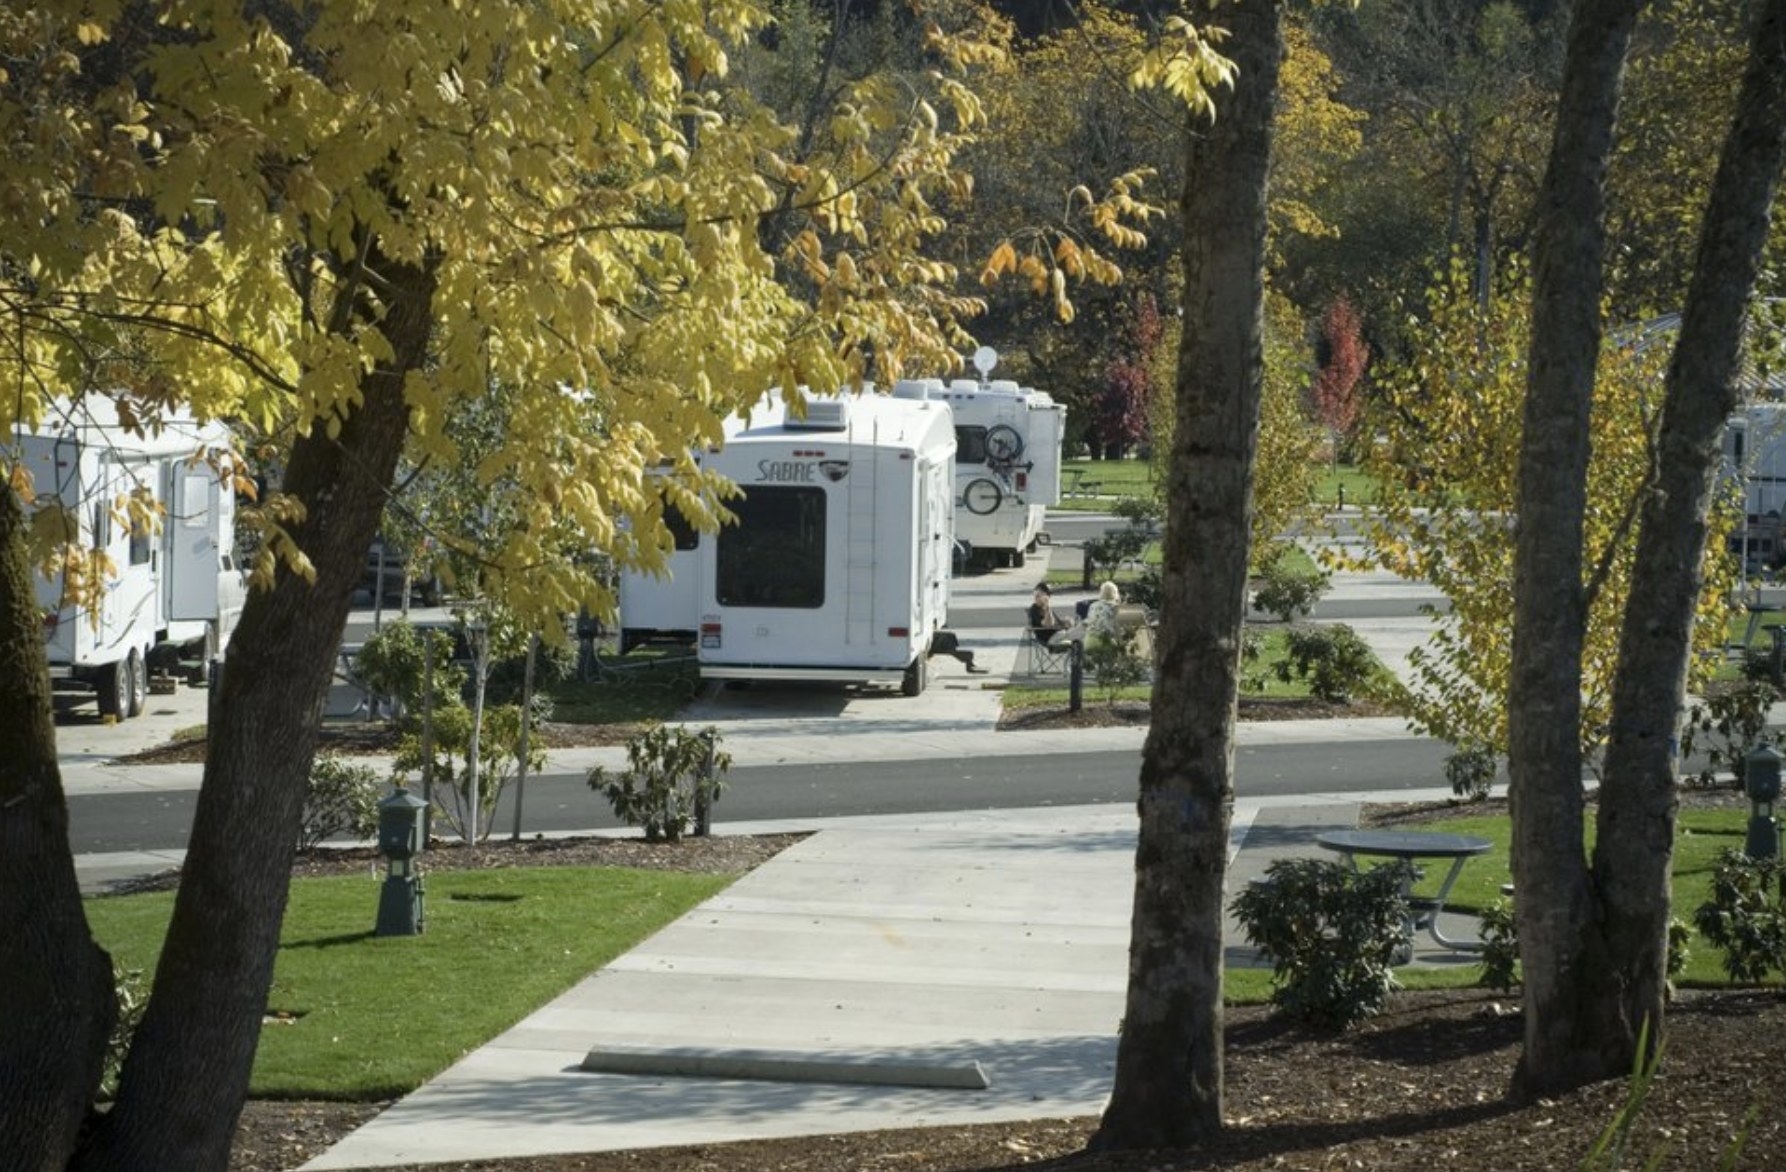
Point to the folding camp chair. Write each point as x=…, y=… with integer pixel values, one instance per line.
x=1038, y=658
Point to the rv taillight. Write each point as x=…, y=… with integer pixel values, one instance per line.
x=1022, y=481
x=51, y=620
x=899, y=632
x=710, y=635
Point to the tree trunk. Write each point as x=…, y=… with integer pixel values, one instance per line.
x=1634, y=847
x=59, y=1001
x=1168, y=1089
x=187, y=1074
x=1560, y=943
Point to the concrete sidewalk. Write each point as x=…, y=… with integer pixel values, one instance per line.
x=892, y=947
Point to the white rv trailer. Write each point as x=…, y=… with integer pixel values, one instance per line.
x=838, y=566
x=171, y=589
x=1754, y=461
x=1007, y=462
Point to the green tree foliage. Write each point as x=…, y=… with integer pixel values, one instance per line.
x=1459, y=99
x=339, y=223
x=1449, y=422
x=1682, y=77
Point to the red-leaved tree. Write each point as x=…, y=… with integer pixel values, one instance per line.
x=1336, y=395
x=1120, y=415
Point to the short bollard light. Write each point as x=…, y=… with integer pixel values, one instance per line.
x=400, y=841
x=1761, y=780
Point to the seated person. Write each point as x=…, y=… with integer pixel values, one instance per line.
x=1042, y=620
x=1101, y=620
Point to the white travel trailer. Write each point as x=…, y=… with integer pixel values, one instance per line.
x=170, y=589
x=1754, y=461
x=838, y=566
x=1007, y=461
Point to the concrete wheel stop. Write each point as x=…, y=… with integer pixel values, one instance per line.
x=786, y=1066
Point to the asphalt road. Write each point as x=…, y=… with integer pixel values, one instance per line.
x=159, y=821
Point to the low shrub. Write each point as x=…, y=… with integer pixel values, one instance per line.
x=1500, y=947
x=1333, y=660
x=1728, y=725
x=132, y=993
x=1471, y=772
x=1289, y=592
x=342, y=799
x=1331, y=936
x=1115, y=663
x=670, y=773
x=1744, y=917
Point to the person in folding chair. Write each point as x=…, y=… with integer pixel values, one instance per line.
x=1044, y=624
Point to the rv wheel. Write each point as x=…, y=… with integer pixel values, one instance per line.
x=916, y=676
x=136, y=676
x=113, y=686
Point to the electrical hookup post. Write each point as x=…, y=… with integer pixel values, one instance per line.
x=1075, y=675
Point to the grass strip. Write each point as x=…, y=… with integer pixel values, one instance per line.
x=355, y=1016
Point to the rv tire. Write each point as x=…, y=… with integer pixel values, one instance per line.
x=136, y=676
x=112, y=684
x=917, y=675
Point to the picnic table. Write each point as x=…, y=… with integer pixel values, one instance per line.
x=1413, y=846
x=1074, y=484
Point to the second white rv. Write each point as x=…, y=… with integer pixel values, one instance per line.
x=1007, y=463
x=837, y=568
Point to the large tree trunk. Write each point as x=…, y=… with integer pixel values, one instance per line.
x=187, y=1073
x=1560, y=941
x=1168, y=1090
x=1634, y=849
x=57, y=981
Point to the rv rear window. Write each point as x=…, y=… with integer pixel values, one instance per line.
x=775, y=555
x=970, y=445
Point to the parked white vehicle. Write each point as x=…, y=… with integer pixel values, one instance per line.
x=1754, y=461
x=838, y=566
x=1007, y=460
x=172, y=590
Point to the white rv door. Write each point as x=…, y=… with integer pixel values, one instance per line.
x=1046, y=427
x=195, y=544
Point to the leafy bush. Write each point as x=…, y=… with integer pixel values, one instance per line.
x=1126, y=544
x=1744, y=917
x=1471, y=772
x=1729, y=724
x=499, y=755
x=342, y=799
x=133, y=998
x=1333, y=660
x=1289, y=592
x=1115, y=664
x=392, y=665
x=669, y=772
x=1331, y=936
x=1500, y=947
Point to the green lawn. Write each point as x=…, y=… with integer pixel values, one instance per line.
x=1358, y=488
x=354, y=1016
x=1701, y=836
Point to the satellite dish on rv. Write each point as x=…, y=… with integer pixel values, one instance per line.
x=985, y=358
